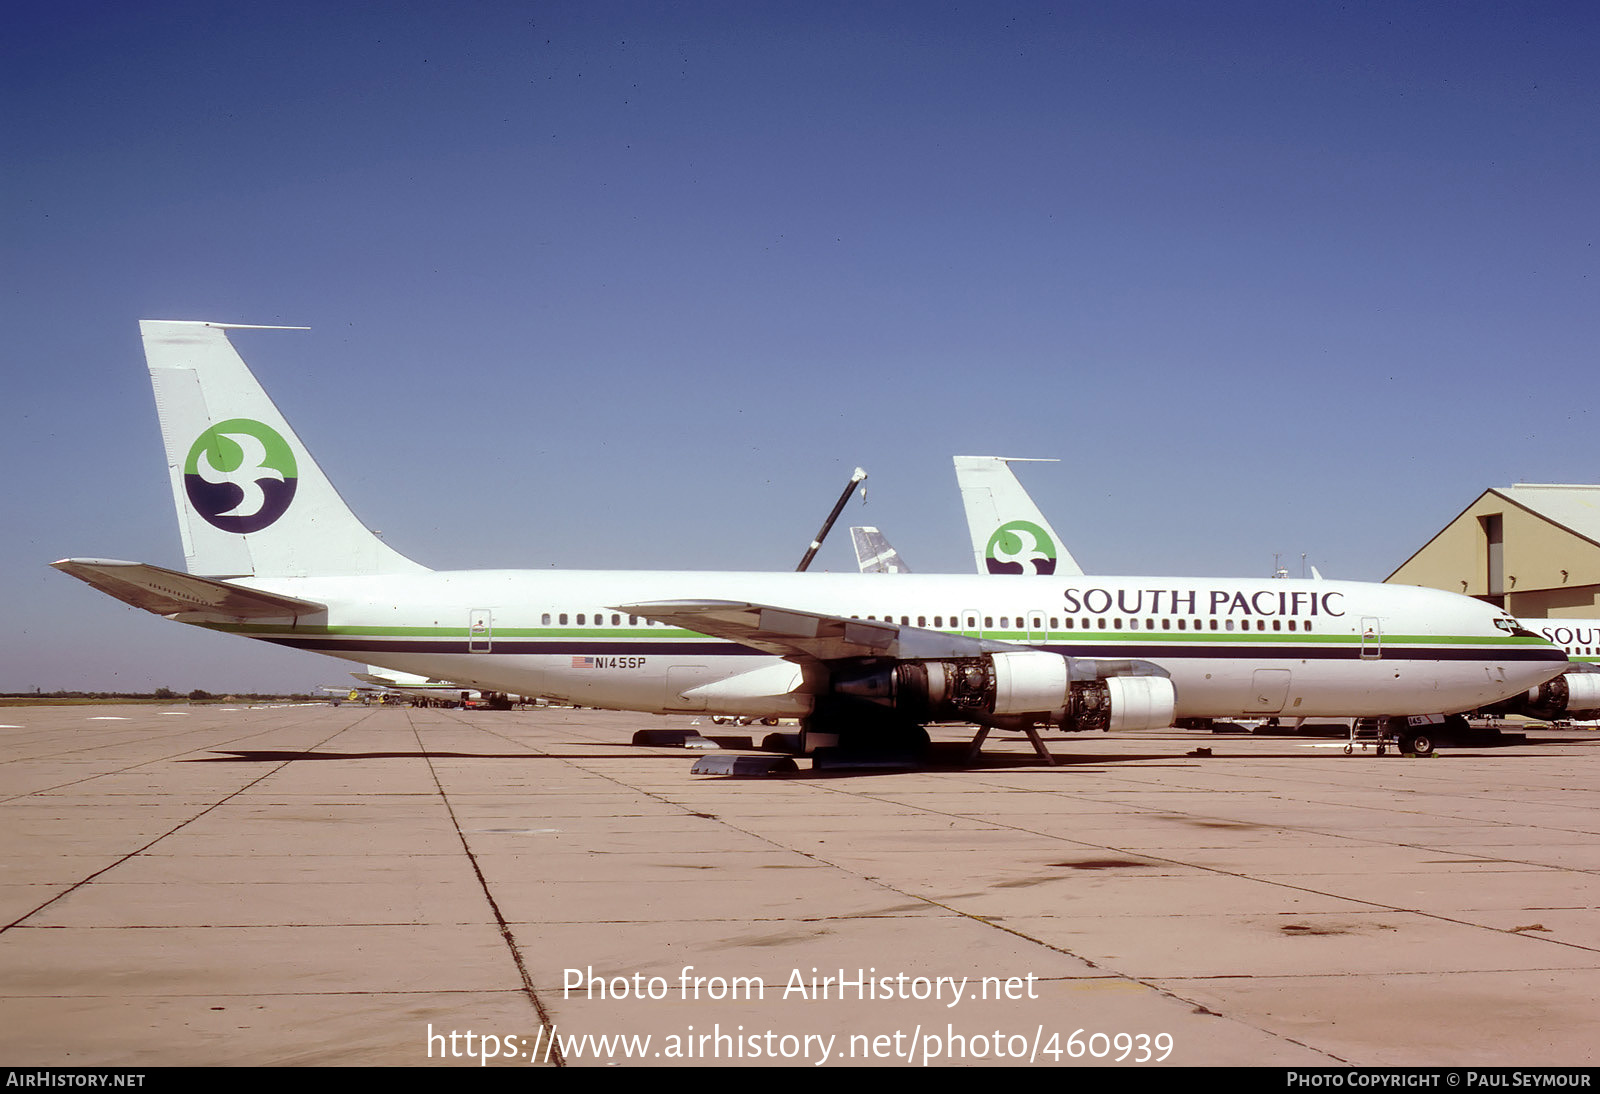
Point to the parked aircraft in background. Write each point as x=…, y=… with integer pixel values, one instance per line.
x=874, y=553
x=435, y=692
x=274, y=554
x=1574, y=694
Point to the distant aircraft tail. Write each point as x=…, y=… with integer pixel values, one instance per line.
x=251, y=501
x=1009, y=534
x=875, y=554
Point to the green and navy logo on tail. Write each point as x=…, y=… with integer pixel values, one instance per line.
x=1016, y=542
x=240, y=475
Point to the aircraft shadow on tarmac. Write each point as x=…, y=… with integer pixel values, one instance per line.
x=940, y=756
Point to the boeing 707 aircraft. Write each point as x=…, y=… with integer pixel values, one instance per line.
x=273, y=553
x=997, y=506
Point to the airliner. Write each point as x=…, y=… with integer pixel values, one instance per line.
x=863, y=660
x=997, y=505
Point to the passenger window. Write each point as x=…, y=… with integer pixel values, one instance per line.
x=563, y=619
x=544, y=620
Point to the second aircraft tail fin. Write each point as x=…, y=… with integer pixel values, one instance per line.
x=1009, y=534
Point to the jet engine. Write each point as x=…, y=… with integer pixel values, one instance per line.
x=1023, y=688
x=1574, y=695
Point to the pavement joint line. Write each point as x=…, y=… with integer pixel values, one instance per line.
x=1157, y=858
x=133, y=767
x=555, y=1055
x=80, y=883
x=1116, y=974
x=1503, y=841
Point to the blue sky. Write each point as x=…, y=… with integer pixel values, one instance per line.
x=636, y=285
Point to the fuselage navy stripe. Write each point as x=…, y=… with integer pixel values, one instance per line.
x=1187, y=651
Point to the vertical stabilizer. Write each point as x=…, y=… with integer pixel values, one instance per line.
x=251, y=501
x=875, y=554
x=1009, y=534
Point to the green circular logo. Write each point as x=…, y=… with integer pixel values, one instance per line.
x=1016, y=543
x=240, y=475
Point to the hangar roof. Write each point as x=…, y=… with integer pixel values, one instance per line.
x=1574, y=507
x=1551, y=541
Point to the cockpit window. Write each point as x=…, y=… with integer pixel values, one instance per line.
x=1513, y=628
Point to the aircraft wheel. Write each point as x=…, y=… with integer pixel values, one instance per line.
x=1420, y=745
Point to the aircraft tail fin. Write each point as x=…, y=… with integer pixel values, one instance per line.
x=1009, y=534
x=875, y=554
x=251, y=501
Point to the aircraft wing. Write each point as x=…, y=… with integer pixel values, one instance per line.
x=800, y=635
x=168, y=592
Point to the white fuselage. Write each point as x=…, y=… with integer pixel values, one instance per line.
x=1232, y=647
x=1580, y=638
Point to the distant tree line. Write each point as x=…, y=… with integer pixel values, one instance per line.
x=160, y=694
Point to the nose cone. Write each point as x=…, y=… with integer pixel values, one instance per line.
x=1530, y=661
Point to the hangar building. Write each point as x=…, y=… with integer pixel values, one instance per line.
x=1533, y=549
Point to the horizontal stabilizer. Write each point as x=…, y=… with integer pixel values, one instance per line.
x=168, y=592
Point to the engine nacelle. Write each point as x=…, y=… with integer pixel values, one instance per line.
x=1028, y=687
x=1142, y=702
x=1573, y=695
